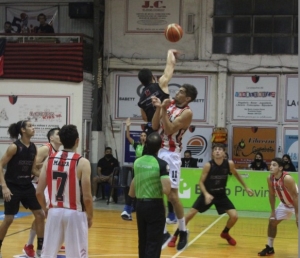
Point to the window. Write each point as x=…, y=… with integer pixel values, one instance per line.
x=255, y=27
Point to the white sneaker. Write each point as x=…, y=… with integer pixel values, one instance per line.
x=126, y=216
x=111, y=200
x=38, y=254
x=94, y=198
x=168, y=221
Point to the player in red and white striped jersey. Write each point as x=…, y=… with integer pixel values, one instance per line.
x=173, y=118
x=70, y=214
x=282, y=185
x=43, y=152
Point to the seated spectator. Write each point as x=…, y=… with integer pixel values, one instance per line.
x=188, y=161
x=258, y=163
x=105, y=170
x=7, y=28
x=288, y=164
x=44, y=27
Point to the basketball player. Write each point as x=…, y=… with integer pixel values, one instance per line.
x=212, y=183
x=67, y=176
x=43, y=152
x=173, y=118
x=17, y=187
x=159, y=89
x=280, y=184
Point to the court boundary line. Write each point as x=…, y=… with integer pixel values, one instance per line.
x=200, y=234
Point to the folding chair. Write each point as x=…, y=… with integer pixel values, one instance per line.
x=122, y=177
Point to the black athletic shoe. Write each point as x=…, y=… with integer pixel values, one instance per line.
x=183, y=240
x=267, y=251
x=166, y=239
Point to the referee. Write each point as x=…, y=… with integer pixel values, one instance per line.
x=150, y=182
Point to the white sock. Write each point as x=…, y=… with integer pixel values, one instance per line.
x=181, y=224
x=32, y=235
x=270, y=241
x=165, y=229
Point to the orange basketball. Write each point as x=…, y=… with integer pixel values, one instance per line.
x=173, y=32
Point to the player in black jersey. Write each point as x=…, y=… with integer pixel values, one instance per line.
x=159, y=89
x=17, y=187
x=212, y=184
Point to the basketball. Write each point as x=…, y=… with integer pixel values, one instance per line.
x=173, y=32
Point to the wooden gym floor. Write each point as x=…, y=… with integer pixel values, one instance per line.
x=110, y=236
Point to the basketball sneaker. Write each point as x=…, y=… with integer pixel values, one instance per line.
x=29, y=251
x=166, y=239
x=126, y=216
x=183, y=240
x=172, y=243
x=267, y=251
x=171, y=218
x=229, y=239
x=38, y=254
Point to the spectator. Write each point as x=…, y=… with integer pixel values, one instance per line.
x=7, y=28
x=44, y=27
x=258, y=163
x=188, y=161
x=105, y=170
x=288, y=164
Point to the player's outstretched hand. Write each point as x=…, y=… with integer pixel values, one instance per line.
x=128, y=122
x=166, y=103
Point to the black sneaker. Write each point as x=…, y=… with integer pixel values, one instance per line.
x=166, y=239
x=183, y=240
x=267, y=251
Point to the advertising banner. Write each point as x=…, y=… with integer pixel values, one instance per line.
x=291, y=144
x=292, y=99
x=197, y=139
x=151, y=16
x=247, y=141
x=255, y=98
x=189, y=189
x=45, y=112
x=128, y=91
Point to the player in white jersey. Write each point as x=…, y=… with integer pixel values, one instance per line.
x=43, y=152
x=67, y=176
x=282, y=185
x=173, y=118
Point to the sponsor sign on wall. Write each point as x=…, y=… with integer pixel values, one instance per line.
x=290, y=137
x=197, y=139
x=255, y=98
x=45, y=112
x=292, y=99
x=128, y=91
x=189, y=189
x=151, y=16
x=247, y=141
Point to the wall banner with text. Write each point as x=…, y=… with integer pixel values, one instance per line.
x=247, y=141
x=128, y=90
x=290, y=143
x=45, y=112
x=255, y=98
x=151, y=16
x=197, y=139
x=292, y=99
